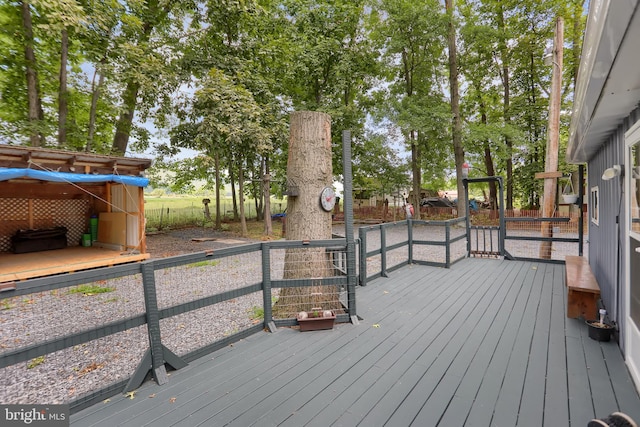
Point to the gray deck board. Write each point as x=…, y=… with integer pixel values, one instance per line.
x=556, y=405
x=484, y=343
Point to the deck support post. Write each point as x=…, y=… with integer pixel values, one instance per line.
x=410, y=241
x=348, y=228
x=157, y=355
x=362, y=235
x=383, y=251
x=266, y=289
x=447, y=238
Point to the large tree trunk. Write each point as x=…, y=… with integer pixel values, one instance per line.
x=268, y=228
x=95, y=95
x=125, y=121
x=234, y=201
x=155, y=11
x=62, y=90
x=217, y=166
x=35, y=113
x=416, y=173
x=458, y=150
x=243, y=219
x=504, y=55
x=488, y=162
x=309, y=169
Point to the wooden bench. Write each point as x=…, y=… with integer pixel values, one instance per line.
x=583, y=289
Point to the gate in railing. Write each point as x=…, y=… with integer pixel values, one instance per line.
x=519, y=234
x=486, y=239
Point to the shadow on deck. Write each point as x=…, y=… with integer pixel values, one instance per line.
x=486, y=343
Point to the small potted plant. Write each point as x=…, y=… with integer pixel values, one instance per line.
x=598, y=330
x=316, y=319
x=569, y=195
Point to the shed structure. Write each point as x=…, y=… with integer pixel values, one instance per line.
x=50, y=203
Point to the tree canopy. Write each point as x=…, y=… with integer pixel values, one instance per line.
x=220, y=78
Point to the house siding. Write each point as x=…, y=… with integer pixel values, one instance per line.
x=603, y=238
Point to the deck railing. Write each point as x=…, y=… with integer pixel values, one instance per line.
x=156, y=301
x=436, y=243
x=156, y=294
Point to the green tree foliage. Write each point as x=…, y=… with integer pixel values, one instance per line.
x=220, y=77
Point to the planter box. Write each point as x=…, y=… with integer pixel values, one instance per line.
x=316, y=323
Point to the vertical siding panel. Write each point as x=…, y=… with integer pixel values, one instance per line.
x=603, y=243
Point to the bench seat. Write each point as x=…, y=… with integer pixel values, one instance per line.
x=583, y=291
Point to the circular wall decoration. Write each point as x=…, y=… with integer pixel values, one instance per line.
x=327, y=199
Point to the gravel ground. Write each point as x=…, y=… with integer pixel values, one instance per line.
x=66, y=375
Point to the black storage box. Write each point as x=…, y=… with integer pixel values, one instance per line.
x=39, y=240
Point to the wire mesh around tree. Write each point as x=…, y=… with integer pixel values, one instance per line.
x=312, y=279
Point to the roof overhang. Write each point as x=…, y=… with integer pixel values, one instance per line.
x=608, y=84
x=78, y=162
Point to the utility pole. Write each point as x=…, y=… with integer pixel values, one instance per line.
x=551, y=173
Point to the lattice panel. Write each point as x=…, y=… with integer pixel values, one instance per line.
x=72, y=214
x=15, y=216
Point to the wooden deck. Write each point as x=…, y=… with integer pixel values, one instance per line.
x=16, y=267
x=486, y=343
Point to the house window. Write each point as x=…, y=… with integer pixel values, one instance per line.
x=595, y=205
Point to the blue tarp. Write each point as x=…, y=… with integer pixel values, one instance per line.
x=13, y=173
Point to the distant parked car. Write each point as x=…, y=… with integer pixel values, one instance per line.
x=436, y=202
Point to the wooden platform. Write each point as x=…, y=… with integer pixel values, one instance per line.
x=486, y=343
x=16, y=267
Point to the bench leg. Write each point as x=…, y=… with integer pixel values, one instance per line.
x=582, y=304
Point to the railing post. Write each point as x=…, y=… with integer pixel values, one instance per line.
x=410, y=240
x=503, y=227
x=266, y=288
x=348, y=226
x=383, y=251
x=447, y=238
x=362, y=235
x=157, y=354
x=467, y=221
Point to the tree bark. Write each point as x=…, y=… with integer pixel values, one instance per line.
x=416, y=173
x=125, y=121
x=217, y=166
x=268, y=227
x=62, y=90
x=504, y=55
x=95, y=95
x=243, y=219
x=309, y=168
x=130, y=96
x=35, y=113
x=234, y=201
x=456, y=125
x=488, y=163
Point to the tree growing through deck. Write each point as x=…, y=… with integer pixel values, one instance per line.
x=309, y=171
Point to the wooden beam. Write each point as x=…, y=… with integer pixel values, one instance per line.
x=545, y=175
